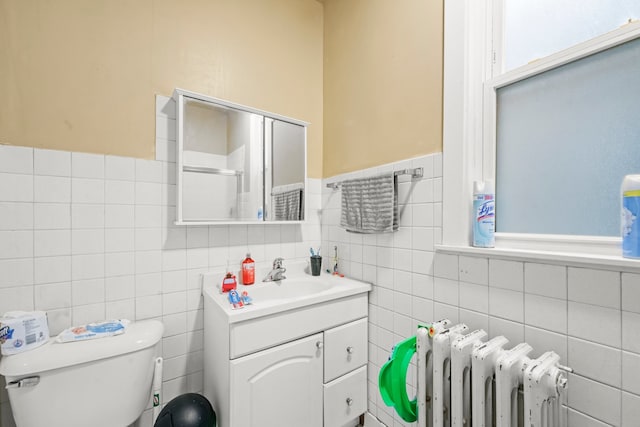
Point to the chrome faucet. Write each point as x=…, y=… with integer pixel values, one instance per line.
x=277, y=272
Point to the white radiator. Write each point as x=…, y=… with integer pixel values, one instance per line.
x=465, y=381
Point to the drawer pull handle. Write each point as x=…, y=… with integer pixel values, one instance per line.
x=349, y=401
x=350, y=350
x=319, y=345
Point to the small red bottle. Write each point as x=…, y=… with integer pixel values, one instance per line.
x=248, y=270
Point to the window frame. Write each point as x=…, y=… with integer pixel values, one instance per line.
x=473, y=46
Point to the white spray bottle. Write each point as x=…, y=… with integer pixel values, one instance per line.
x=484, y=219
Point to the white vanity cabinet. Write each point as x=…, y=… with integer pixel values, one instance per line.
x=298, y=367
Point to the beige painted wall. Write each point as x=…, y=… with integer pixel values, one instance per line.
x=82, y=75
x=382, y=82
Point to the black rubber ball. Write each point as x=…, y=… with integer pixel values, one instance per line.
x=187, y=410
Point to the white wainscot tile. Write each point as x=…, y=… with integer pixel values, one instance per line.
x=597, y=287
x=52, y=242
x=506, y=274
x=422, y=309
x=148, y=239
x=119, y=264
x=402, y=259
x=422, y=262
x=402, y=237
x=85, y=165
x=87, y=241
x=402, y=281
x=198, y=258
x=53, y=296
x=87, y=190
x=446, y=266
x=16, y=272
x=87, y=216
x=547, y=313
x=50, y=216
x=148, y=284
x=175, y=259
x=119, y=240
x=47, y=189
x=513, y=331
x=148, y=307
x=422, y=285
x=401, y=302
x=543, y=341
x=595, y=399
x=119, y=216
x=16, y=244
x=59, y=320
x=121, y=309
x=52, y=269
x=82, y=314
x=630, y=410
x=474, y=297
x=16, y=216
x=148, y=262
x=631, y=331
x=148, y=193
x=148, y=170
x=422, y=238
x=148, y=216
x=474, y=270
x=546, y=280
x=445, y=311
x=52, y=162
x=595, y=361
x=87, y=266
x=506, y=304
x=631, y=292
x=120, y=288
x=87, y=291
x=474, y=320
x=15, y=159
x=631, y=372
x=120, y=168
x=174, y=303
x=16, y=188
x=174, y=281
x=174, y=324
x=20, y=298
x=445, y=291
x=578, y=419
x=423, y=191
x=422, y=215
x=119, y=192
x=594, y=323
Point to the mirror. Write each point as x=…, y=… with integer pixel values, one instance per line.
x=236, y=163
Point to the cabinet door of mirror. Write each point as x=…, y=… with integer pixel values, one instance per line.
x=237, y=164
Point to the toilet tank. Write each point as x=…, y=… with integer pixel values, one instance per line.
x=103, y=382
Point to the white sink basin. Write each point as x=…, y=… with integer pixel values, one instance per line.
x=297, y=290
x=286, y=289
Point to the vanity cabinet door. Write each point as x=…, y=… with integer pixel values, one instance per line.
x=345, y=349
x=281, y=386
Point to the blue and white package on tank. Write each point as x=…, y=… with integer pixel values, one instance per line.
x=630, y=229
x=484, y=214
x=91, y=331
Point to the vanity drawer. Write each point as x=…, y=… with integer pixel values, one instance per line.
x=345, y=398
x=345, y=348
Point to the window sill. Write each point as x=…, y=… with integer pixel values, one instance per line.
x=575, y=259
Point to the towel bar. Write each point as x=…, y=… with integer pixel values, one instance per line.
x=415, y=173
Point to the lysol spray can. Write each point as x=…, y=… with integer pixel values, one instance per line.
x=484, y=221
x=630, y=213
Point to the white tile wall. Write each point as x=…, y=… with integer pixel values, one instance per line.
x=589, y=316
x=88, y=237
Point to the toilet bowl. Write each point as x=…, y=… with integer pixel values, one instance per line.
x=100, y=383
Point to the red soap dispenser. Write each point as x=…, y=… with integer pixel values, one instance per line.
x=248, y=270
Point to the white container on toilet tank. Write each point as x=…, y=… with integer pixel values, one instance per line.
x=99, y=383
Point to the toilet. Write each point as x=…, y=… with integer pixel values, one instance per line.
x=103, y=382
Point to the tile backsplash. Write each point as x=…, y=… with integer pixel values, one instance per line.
x=88, y=237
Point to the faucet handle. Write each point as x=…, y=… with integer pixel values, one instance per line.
x=277, y=263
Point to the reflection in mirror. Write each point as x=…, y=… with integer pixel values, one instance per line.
x=222, y=163
x=285, y=170
x=236, y=163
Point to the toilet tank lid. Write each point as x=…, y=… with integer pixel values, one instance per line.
x=54, y=355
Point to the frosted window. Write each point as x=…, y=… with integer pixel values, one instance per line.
x=535, y=29
x=565, y=140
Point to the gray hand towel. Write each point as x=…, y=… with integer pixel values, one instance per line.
x=370, y=205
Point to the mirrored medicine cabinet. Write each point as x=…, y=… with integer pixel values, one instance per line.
x=237, y=164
